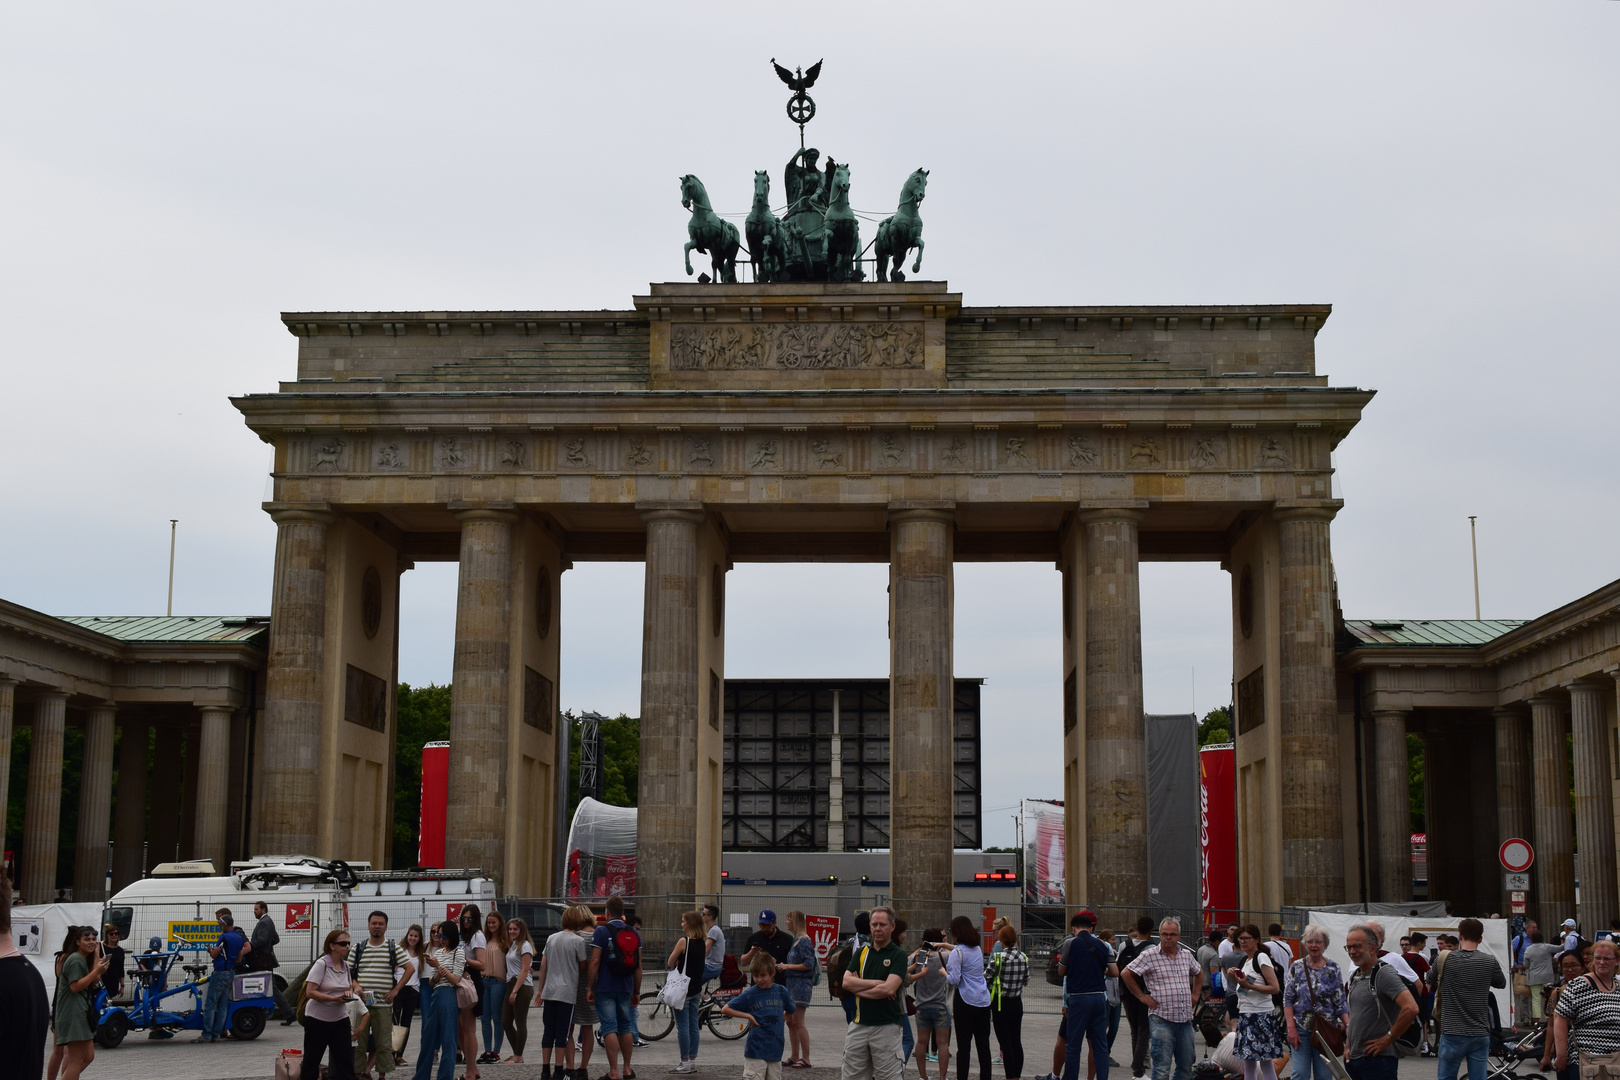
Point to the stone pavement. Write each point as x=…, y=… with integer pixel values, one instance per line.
x=183, y=1058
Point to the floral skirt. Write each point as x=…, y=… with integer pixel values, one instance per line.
x=1260, y=1037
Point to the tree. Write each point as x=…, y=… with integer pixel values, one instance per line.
x=1216, y=726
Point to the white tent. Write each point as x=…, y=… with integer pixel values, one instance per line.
x=38, y=930
x=1398, y=926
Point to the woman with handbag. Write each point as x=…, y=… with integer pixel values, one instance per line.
x=1569, y=968
x=687, y=959
x=1590, y=1005
x=444, y=989
x=73, y=1011
x=327, y=991
x=1315, y=1008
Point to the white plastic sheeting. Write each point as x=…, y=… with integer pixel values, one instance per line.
x=602, y=850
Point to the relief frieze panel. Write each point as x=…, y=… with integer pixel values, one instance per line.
x=795, y=346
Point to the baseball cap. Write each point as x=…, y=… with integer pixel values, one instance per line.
x=767, y=916
x=154, y=943
x=1085, y=917
x=1570, y=923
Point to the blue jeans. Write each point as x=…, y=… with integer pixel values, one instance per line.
x=490, y=1018
x=1312, y=1065
x=1087, y=1020
x=614, y=1013
x=1455, y=1049
x=439, y=1019
x=1169, y=1044
x=1371, y=1068
x=1113, y=1025
x=217, y=1010
x=686, y=1026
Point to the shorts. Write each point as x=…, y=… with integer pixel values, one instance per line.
x=760, y=1069
x=937, y=1017
x=614, y=1013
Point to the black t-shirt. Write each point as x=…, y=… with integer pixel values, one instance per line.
x=777, y=944
x=115, y=969
x=25, y=1017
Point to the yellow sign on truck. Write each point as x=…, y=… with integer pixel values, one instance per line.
x=205, y=932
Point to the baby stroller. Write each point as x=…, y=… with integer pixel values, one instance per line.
x=1509, y=1053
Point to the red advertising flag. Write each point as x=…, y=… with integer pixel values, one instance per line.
x=298, y=917
x=452, y=912
x=435, y=802
x=1217, y=833
x=823, y=931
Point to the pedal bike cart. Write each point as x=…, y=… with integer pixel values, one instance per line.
x=157, y=1006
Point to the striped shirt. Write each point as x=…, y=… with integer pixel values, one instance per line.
x=1593, y=1014
x=375, y=971
x=1465, y=992
x=452, y=961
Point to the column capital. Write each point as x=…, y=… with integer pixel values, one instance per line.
x=690, y=513
x=1585, y=686
x=206, y=709
x=1510, y=709
x=467, y=514
x=283, y=513
x=941, y=510
x=51, y=693
x=1099, y=510
x=7, y=680
x=1306, y=509
x=1400, y=712
x=1545, y=699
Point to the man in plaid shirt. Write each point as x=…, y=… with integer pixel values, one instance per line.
x=1167, y=979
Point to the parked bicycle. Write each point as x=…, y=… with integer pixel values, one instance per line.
x=655, y=1019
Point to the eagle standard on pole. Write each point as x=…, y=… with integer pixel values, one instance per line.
x=800, y=108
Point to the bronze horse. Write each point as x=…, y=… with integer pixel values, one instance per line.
x=767, y=242
x=708, y=233
x=841, y=231
x=903, y=231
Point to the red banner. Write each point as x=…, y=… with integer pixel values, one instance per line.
x=298, y=917
x=1217, y=833
x=435, y=802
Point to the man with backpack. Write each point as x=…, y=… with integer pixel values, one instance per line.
x=373, y=965
x=614, y=985
x=1136, y=1013
x=1381, y=1008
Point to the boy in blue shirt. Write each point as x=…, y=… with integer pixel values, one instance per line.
x=766, y=1004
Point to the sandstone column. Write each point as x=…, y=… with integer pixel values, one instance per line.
x=1594, y=802
x=1394, y=806
x=1513, y=777
x=1554, y=896
x=922, y=712
x=129, y=830
x=666, y=824
x=95, y=804
x=8, y=699
x=213, y=785
x=1115, y=734
x=42, y=814
x=475, y=823
x=290, y=743
x=1312, y=828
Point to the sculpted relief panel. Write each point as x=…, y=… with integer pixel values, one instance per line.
x=796, y=346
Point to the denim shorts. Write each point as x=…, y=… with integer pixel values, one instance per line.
x=614, y=1013
x=934, y=1016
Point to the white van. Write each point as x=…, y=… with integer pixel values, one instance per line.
x=306, y=897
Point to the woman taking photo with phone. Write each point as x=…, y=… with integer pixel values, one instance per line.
x=329, y=988
x=73, y=1010
x=964, y=969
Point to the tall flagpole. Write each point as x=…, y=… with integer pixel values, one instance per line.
x=1473, y=542
x=173, y=522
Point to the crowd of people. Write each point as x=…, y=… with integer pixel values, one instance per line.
x=473, y=981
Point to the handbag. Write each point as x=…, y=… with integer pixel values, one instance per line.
x=1324, y=1029
x=466, y=992
x=289, y=1065
x=673, y=992
x=1600, y=1066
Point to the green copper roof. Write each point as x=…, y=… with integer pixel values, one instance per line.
x=1440, y=632
x=248, y=629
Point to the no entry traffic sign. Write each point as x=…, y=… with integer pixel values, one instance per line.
x=1516, y=855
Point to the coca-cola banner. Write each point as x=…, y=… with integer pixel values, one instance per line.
x=1217, y=833
x=1044, y=861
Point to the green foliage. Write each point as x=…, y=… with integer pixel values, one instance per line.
x=1414, y=781
x=621, y=754
x=1216, y=726
x=424, y=717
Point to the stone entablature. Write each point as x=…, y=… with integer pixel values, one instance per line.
x=1580, y=640
x=894, y=335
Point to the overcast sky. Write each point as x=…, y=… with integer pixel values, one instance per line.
x=175, y=175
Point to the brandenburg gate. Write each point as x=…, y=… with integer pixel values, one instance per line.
x=877, y=421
